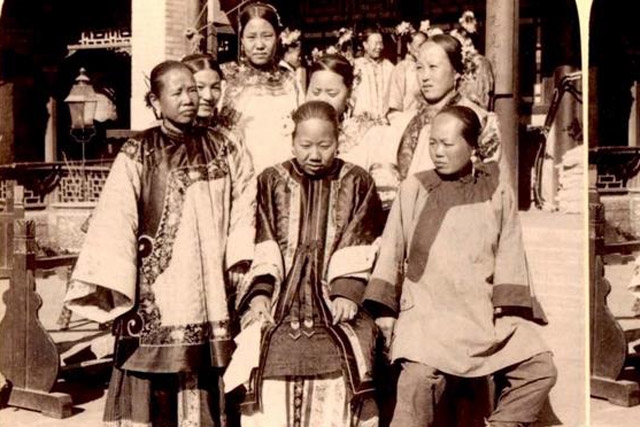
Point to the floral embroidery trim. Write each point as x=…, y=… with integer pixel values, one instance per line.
x=132, y=148
x=152, y=266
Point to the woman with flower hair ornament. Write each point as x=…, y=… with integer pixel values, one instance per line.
x=478, y=81
x=440, y=69
x=317, y=222
x=291, y=61
x=331, y=80
x=259, y=96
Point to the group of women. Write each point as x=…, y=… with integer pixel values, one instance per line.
x=264, y=211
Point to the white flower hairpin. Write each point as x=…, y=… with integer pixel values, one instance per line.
x=344, y=36
x=425, y=26
x=290, y=37
x=469, y=22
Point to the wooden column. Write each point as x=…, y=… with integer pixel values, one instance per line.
x=50, y=137
x=501, y=49
x=7, y=124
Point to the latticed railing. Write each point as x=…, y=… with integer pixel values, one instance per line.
x=81, y=185
x=56, y=183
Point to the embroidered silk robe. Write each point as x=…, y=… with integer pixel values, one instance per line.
x=314, y=242
x=260, y=104
x=175, y=213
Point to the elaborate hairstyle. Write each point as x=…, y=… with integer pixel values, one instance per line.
x=202, y=61
x=260, y=10
x=471, y=126
x=452, y=48
x=155, y=79
x=316, y=110
x=336, y=63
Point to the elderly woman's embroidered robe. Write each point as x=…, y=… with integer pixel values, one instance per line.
x=175, y=213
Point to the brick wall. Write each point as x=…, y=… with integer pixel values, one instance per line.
x=179, y=15
x=617, y=217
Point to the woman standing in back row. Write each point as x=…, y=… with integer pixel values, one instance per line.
x=260, y=97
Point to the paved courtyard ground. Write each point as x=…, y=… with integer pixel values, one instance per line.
x=554, y=244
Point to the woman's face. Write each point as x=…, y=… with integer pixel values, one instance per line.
x=178, y=98
x=259, y=41
x=329, y=87
x=373, y=46
x=315, y=145
x=435, y=73
x=449, y=150
x=209, y=90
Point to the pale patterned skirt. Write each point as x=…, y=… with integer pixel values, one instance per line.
x=310, y=402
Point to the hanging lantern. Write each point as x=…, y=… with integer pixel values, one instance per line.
x=82, y=102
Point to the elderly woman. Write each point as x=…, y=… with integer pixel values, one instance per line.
x=174, y=218
x=460, y=305
x=260, y=97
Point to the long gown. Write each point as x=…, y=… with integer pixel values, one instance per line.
x=314, y=241
x=261, y=104
x=175, y=213
x=371, y=87
x=458, y=243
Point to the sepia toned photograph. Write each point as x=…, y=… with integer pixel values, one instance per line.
x=614, y=275
x=351, y=213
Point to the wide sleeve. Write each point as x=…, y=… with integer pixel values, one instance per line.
x=512, y=291
x=103, y=283
x=351, y=263
x=267, y=268
x=243, y=196
x=382, y=294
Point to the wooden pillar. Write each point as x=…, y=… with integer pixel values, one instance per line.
x=51, y=137
x=7, y=124
x=501, y=49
